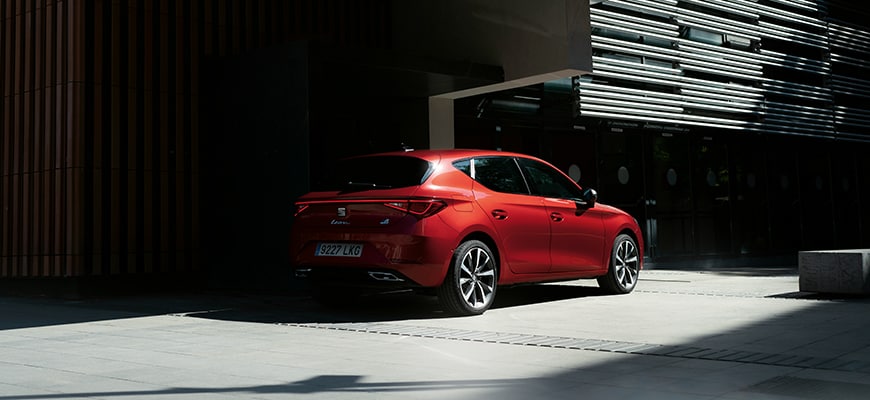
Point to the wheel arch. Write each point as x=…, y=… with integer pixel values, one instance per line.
x=638, y=241
x=490, y=242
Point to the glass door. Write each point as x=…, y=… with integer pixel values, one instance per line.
x=621, y=180
x=670, y=200
x=711, y=182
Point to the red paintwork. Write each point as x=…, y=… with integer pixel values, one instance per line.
x=530, y=244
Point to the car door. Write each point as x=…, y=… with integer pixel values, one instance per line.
x=520, y=219
x=577, y=230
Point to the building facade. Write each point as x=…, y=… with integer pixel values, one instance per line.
x=726, y=128
x=166, y=139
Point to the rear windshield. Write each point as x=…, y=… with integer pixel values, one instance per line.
x=375, y=172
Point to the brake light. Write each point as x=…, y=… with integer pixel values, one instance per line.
x=300, y=207
x=418, y=208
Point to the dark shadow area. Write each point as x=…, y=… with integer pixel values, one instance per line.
x=318, y=384
x=842, y=297
x=262, y=308
x=784, y=265
x=756, y=272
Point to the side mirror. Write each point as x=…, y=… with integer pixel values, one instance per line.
x=590, y=196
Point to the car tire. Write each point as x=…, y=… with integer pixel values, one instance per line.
x=470, y=285
x=624, y=267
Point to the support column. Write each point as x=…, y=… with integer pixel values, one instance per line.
x=441, y=123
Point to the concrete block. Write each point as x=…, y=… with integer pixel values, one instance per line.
x=835, y=271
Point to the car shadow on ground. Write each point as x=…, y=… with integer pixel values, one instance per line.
x=381, y=307
x=259, y=307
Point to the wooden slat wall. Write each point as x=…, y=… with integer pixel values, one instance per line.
x=40, y=154
x=100, y=121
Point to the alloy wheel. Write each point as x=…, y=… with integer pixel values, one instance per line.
x=626, y=264
x=477, y=278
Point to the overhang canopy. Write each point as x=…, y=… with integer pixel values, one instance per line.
x=533, y=41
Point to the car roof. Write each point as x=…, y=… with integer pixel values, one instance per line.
x=452, y=154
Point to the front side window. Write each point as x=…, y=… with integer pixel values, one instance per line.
x=547, y=182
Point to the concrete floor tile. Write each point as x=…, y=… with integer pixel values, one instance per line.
x=168, y=356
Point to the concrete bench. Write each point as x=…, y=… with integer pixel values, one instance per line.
x=835, y=271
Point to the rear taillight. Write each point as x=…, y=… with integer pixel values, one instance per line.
x=300, y=207
x=418, y=208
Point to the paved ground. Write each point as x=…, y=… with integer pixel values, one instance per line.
x=726, y=334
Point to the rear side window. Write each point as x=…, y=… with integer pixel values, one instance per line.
x=376, y=172
x=500, y=174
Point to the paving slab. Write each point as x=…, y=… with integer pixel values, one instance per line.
x=737, y=333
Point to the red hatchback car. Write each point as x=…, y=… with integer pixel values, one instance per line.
x=460, y=223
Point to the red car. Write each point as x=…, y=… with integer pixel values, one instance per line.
x=460, y=223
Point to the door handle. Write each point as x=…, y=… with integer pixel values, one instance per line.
x=499, y=214
x=556, y=217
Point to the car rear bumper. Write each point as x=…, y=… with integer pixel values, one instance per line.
x=371, y=278
x=387, y=260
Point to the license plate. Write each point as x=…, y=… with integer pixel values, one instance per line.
x=339, y=249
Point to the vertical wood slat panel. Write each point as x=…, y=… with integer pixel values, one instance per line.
x=180, y=92
x=62, y=207
x=43, y=87
x=163, y=153
x=132, y=133
x=234, y=21
x=32, y=113
x=98, y=161
x=5, y=147
x=17, y=131
x=74, y=135
x=36, y=120
x=196, y=50
x=28, y=191
x=10, y=117
x=148, y=118
x=153, y=135
x=44, y=236
x=42, y=145
x=53, y=60
x=44, y=74
x=114, y=173
x=222, y=28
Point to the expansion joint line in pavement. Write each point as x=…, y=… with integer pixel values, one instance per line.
x=557, y=342
x=700, y=293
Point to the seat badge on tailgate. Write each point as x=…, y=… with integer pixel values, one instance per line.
x=341, y=212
